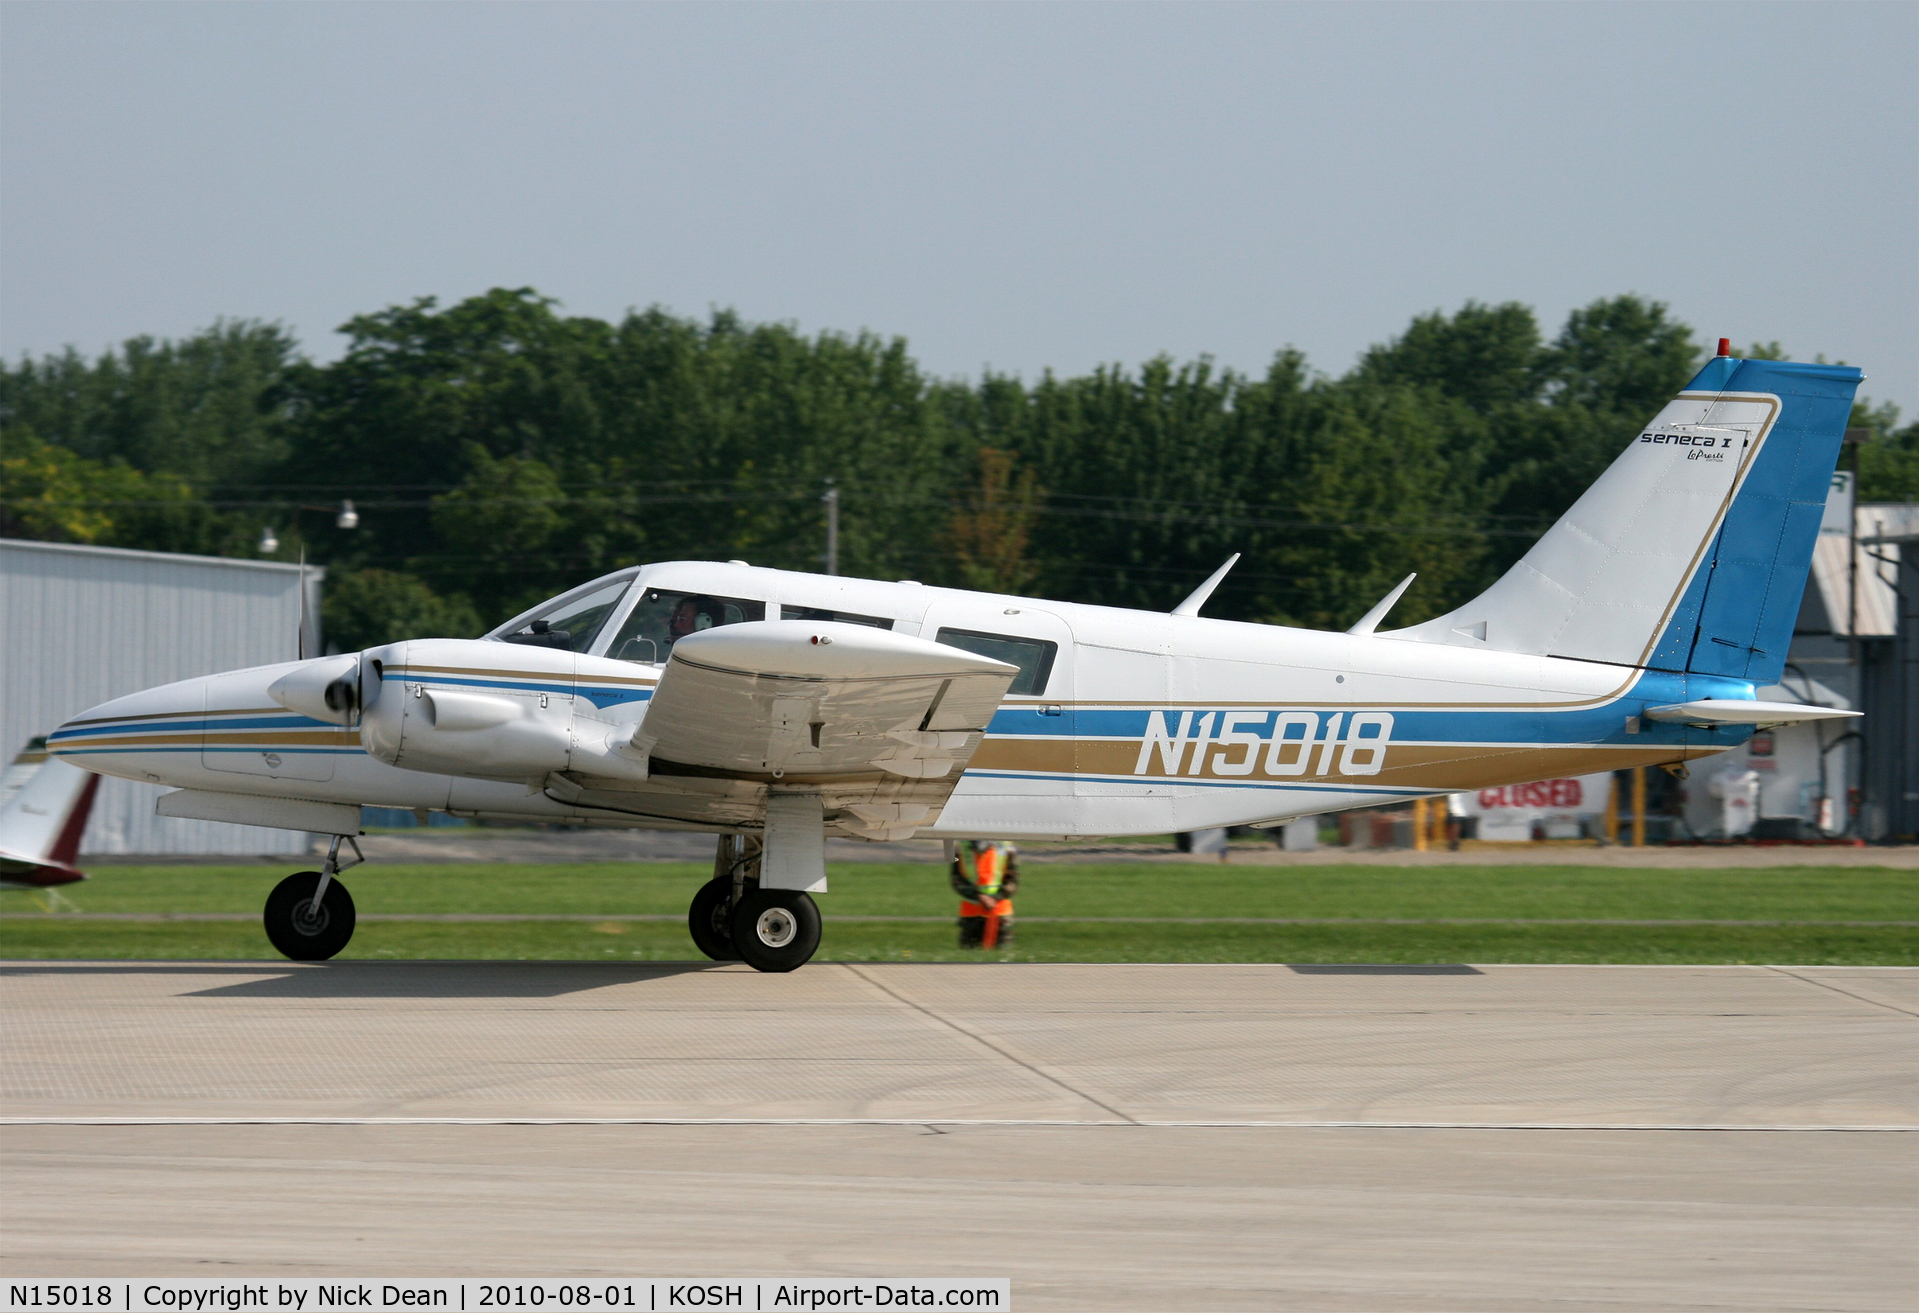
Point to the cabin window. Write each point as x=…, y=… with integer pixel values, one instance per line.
x=660, y=618
x=1033, y=656
x=572, y=623
x=789, y=612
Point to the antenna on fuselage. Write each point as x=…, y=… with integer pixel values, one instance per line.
x=1370, y=621
x=1197, y=598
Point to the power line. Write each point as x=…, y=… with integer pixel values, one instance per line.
x=1143, y=511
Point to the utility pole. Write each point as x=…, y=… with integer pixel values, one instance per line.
x=1855, y=651
x=832, y=499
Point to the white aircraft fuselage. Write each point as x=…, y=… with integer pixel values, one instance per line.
x=778, y=708
x=1146, y=723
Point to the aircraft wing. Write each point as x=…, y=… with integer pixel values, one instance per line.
x=879, y=724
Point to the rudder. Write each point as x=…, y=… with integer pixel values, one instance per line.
x=1736, y=617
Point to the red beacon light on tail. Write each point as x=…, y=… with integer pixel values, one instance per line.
x=1725, y=346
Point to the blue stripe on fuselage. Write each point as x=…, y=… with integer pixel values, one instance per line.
x=137, y=724
x=601, y=697
x=1601, y=723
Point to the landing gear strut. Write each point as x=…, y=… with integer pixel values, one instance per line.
x=309, y=915
x=732, y=919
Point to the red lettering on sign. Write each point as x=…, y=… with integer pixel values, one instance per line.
x=1553, y=795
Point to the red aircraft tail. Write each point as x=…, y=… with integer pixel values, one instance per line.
x=43, y=813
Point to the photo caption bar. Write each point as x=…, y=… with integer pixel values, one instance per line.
x=472, y=1295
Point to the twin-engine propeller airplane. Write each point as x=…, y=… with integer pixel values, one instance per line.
x=777, y=708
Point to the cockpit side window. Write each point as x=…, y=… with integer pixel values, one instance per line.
x=1033, y=656
x=571, y=624
x=661, y=618
x=790, y=612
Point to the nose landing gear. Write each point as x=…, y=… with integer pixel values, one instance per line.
x=309, y=915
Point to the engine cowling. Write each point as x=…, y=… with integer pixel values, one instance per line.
x=484, y=710
x=325, y=688
x=454, y=707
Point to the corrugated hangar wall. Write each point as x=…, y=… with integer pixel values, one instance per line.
x=79, y=625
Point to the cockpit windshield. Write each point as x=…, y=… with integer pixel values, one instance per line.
x=572, y=622
x=660, y=618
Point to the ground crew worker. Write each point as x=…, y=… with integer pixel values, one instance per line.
x=985, y=876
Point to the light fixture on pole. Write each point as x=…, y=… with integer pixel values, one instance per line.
x=344, y=517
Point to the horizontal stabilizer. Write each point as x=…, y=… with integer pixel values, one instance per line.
x=1738, y=711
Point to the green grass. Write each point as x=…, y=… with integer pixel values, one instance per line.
x=1793, y=893
x=1366, y=899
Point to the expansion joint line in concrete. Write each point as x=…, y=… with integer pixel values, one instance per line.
x=1862, y=998
x=989, y=1045
x=1013, y=1123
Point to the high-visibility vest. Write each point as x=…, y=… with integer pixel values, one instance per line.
x=989, y=869
x=989, y=873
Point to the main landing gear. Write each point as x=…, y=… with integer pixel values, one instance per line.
x=734, y=920
x=309, y=915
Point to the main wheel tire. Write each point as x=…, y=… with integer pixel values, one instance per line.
x=710, y=920
x=301, y=931
x=776, y=929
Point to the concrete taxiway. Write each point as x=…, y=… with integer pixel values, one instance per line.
x=1190, y=1137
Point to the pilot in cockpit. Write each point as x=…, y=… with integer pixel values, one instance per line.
x=694, y=614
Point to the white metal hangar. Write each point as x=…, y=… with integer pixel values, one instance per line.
x=79, y=625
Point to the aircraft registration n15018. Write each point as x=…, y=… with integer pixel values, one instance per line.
x=775, y=708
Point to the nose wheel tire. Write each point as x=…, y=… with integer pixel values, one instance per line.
x=302, y=931
x=710, y=919
x=776, y=929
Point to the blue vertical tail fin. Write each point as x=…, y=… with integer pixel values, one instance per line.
x=1690, y=552
x=1736, y=616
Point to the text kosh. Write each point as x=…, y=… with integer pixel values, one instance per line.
x=1271, y=743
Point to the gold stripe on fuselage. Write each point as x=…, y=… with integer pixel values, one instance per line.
x=532, y=676
x=1449, y=767
x=180, y=715
x=290, y=738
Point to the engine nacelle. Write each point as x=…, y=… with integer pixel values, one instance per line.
x=441, y=705
x=483, y=710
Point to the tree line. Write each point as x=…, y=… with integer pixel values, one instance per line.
x=498, y=451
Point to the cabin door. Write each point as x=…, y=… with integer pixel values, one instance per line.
x=1020, y=781
x=1124, y=678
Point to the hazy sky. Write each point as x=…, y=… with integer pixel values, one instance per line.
x=1007, y=186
